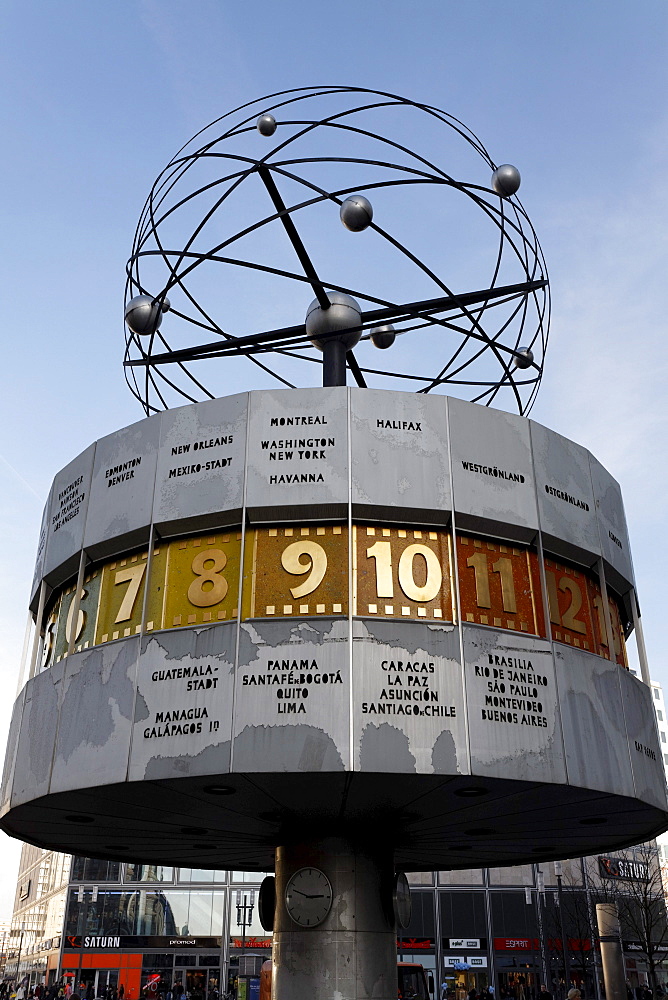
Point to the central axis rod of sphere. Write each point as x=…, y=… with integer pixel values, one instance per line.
x=334, y=360
x=295, y=239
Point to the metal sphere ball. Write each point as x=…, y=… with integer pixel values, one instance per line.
x=383, y=336
x=266, y=124
x=166, y=305
x=344, y=314
x=356, y=213
x=506, y=180
x=523, y=357
x=143, y=315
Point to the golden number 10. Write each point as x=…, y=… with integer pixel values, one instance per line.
x=504, y=567
x=381, y=553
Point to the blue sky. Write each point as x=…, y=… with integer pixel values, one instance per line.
x=96, y=98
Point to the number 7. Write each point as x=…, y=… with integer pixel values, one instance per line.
x=134, y=576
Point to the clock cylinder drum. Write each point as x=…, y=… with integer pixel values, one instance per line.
x=328, y=610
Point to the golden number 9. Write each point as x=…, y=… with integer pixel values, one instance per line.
x=214, y=594
x=317, y=565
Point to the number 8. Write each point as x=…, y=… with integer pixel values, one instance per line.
x=197, y=595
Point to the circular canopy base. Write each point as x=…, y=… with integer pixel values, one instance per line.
x=432, y=821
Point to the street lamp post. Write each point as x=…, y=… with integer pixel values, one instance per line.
x=540, y=886
x=18, y=960
x=559, y=871
x=245, y=904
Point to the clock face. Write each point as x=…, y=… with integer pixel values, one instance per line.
x=402, y=900
x=308, y=897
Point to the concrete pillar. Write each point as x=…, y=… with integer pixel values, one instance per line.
x=612, y=958
x=352, y=954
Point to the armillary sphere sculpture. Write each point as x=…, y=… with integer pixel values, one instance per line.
x=442, y=226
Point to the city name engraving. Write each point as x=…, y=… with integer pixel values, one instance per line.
x=494, y=471
x=291, y=680
x=414, y=689
x=512, y=691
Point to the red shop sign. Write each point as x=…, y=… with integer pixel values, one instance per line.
x=516, y=944
x=415, y=944
x=252, y=942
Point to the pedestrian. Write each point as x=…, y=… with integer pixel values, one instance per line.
x=544, y=993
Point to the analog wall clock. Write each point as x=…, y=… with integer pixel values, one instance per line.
x=308, y=897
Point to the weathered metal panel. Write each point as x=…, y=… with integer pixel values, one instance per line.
x=595, y=740
x=512, y=706
x=10, y=753
x=649, y=774
x=95, y=716
x=292, y=710
x=399, y=452
x=408, y=699
x=297, y=453
x=492, y=472
x=200, y=467
x=183, y=713
x=67, y=516
x=39, y=723
x=611, y=520
x=41, y=553
x=121, y=491
x=563, y=485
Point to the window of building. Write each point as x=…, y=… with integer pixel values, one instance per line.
x=90, y=870
x=152, y=912
x=467, y=876
x=420, y=878
x=513, y=875
x=255, y=877
x=463, y=914
x=162, y=961
x=656, y=693
x=659, y=715
x=149, y=873
x=201, y=875
x=663, y=736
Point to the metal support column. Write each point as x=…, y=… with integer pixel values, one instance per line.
x=612, y=957
x=334, y=362
x=352, y=952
